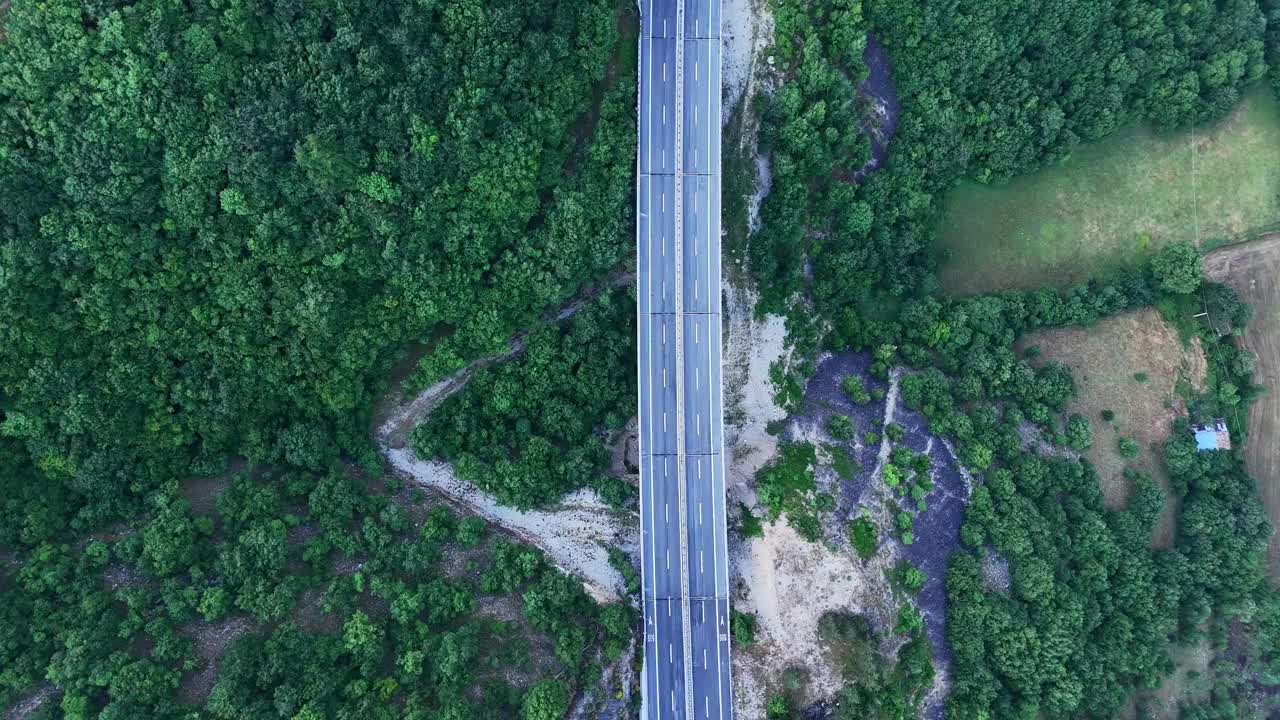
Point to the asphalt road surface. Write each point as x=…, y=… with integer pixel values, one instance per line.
x=682, y=492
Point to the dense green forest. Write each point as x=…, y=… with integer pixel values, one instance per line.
x=351, y=606
x=222, y=225
x=528, y=430
x=988, y=90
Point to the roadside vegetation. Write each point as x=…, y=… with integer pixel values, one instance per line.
x=534, y=428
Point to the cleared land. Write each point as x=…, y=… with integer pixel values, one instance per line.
x=1104, y=361
x=1253, y=269
x=1114, y=199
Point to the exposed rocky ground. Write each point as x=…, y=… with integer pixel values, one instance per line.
x=790, y=583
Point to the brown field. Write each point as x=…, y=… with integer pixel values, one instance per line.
x=1103, y=360
x=1253, y=269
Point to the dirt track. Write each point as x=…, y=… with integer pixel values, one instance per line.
x=1253, y=269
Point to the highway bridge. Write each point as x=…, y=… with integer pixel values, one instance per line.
x=682, y=491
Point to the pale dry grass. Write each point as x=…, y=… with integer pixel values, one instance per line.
x=1103, y=360
x=1253, y=269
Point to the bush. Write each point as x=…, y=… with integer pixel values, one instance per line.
x=743, y=627
x=909, y=576
x=1177, y=267
x=1128, y=448
x=855, y=389
x=894, y=431
x=1077, y=433
x=748, y=524
x=862, y=533
x=840, y=427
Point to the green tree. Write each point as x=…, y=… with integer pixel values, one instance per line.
x=545, y=700
x=1177, y=267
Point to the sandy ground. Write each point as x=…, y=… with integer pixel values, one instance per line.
x=574, y=533
x=746, y=27
x=1103, y=360
x=1253, y=269
x=750, y=348
x=789, y=583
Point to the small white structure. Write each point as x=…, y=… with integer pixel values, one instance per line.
x=1212, y=436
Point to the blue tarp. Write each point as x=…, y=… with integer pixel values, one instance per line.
x=1206, y=440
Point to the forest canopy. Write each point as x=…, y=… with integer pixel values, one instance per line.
x=224, y=222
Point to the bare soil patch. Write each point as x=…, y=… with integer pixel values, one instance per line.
x=1253, y=269
x=750, y=348
x=212, y=641
x=1105, y=361
x=43, y=695
x=789, y=584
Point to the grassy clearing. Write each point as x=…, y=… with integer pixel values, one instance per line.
x=1104, y=361
x=1253, y=269
x=1117, y=198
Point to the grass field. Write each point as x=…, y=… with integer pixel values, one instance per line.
x=1253, y=269
x=1113, y=199
x=1104, y=361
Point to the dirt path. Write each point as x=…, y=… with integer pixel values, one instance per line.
x=396, y=415
x=1253, y=269
x=34, y=702
x=575, y=534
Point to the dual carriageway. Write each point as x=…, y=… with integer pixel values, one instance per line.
x=682, y=488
